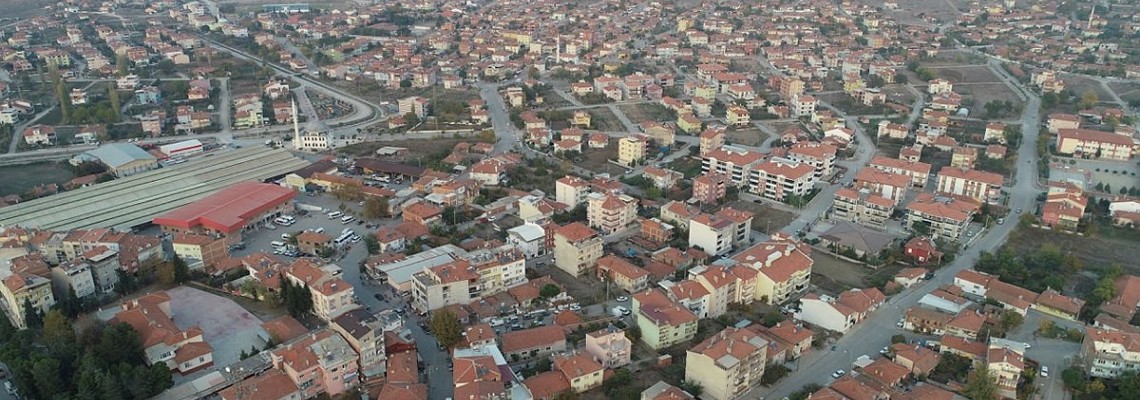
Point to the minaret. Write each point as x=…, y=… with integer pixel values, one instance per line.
x=296, y=128
x=558, y=49
x=1091, y=14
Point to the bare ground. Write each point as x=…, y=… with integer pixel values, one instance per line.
x=604, y=120
x=417, y=148
x=748, y=137
x=835, y=275
x=639, y=113
x=1081, y=85
x=597, y=160
x=764, y=218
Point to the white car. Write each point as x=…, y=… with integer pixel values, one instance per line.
x=575, y=307
x=622, y=299
x=838, y=373
x=1044, y=371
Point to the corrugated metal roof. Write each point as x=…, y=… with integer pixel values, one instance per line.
x=116, y=155
x=131, y=201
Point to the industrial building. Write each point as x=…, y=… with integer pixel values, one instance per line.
x=231, y=211
x=133, y=201
x=121, y=159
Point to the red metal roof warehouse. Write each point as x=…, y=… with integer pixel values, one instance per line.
x=229, y=209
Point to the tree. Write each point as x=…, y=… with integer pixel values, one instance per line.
x=119, y=343
x=898, y=339
x=375, y=207
x=181, y=270
x=57, y=330
x=981, y=385
x=113, y=96
x=46, y=375
x=404, y=84
x=1088, y=99
x=33, y=318
x=372, y=244
x=349, y=192
x=446, y=328
x=549, y=290
x=633, y=333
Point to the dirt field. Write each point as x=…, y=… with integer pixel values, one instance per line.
x=1092, y=250
x=1128, y=91
x=604, y=120
x=597, y=160
x=835, y=275
x=910, y=11
x=959, y=74
x=984, y=93
x=586, y=290
x=764, y=218
x=639, y=113
x=898, y=93
x=747, y=137
x=416, y=148
x=1080, y=85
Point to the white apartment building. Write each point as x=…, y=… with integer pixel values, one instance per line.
x=778, y=179
x=610, y=213
x=571, y=191
x=734, y=162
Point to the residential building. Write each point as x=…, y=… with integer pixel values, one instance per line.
x=623, y=274
x=452, y=283
x=1006, y=367
x=1057, y=121
x=576, y=248
x=662, y=321
x=862, y=207
x=580, y=370
x=663, y=179
x=609, y=347
x=781, y=180
x=332, y=296
x=1064, y=206
x=728, y=364
x=734, y=162
x=610, y=213
x=1108, y=353
x=919, y=172
x=73, y=277
x=665, y=391
x=270, y=385
x=200, y=251
x=1095, y=144
x=632, y=150
x=982, y=186
x=794, y=336
x=710, y=188
x=718, y=234
x=529, y=238
x=892, y=130
x=784, y=265
x=320, y=362
x=842, y=313
x=884, y=184
x=23, y=286
x=183, y=351
x=533, y=343
x=656, y=231
x=571, y=190
x=946, y=217
x=711, y=139
x=364, y=332
x=820, y=156
x=39, y=135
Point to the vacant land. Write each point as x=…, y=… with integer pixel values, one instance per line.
x=836, y=275
x=964, y=73
x=1128, y=91
x=747, y=137
x=642, y=112
x=1092, y=250
x=1080, y=85
x=597, y=160
x=985, y=93
x=764, y=218
x=417, y=148
x=604, y=120
x=17, y=179
x=898, y=94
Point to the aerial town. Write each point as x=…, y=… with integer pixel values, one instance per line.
x=562, y=200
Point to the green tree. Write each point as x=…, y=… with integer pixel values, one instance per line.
x=1088, y=99
x=33, y=318
x=898, y=339
x=981, y=385
x=119, y=343
x=181, y=270
x=113, y=96
x=1009, y=320
x=372, y=244
x=446, y=328
x=46, y=375
x=57, y=330
x=375, y=207
x=1049, y=100
x=549, y=290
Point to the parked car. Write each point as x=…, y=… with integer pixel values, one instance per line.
x=1044, y=371
x=838, y=373
x=622, y=299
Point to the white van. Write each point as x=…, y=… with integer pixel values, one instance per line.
x=346, y=219
x=319, y=230
x=276, y=243
x=335, y=214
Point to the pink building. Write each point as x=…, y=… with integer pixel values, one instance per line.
x=322, y=362
x=709, y=188
x=609, y=347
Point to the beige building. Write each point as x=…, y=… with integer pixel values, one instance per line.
x=199, y=251
x=571, y=191
x=632, y=149
x=364, y=331
x=576, y=248
x=727, y=365
x=582, y=372
x=609, y=347
x=779, y=180
x=1095, y=144
x=662, y=321
x=718, y=234
x=861, y=207
x=784, y=265
x=981, y=186
x=610, y=213
x=332, y=296
x=443, y=285
x=919, y=172
x=22, y=287
x=734, y=162
x=1108, y=353
x=946, y=217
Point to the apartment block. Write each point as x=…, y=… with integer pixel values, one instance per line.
x=332, y=296
x=947, y=217
x=23, y=286
x=728, y=364
x=781, y=179
x=1107, y=353
x=710, y=188
x=711, y=139
x=455, y=282
x=734, y=162
x=887, y=185
x=610, y=213
x=981, y=186
x=662, y=321
x=571, y=191
x=841, y=313
x=861, y=207
x=364, y=332
x=622, y=273
x=1095, y=144
x=722, y=232
x=576, y=248
x=320, y=362
x=632, y=149
x=73, y=277
x=609, y=347
x=784, y=265
x=820, y=156
x=919, y=172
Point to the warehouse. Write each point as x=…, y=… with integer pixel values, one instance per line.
x=231, y=211
x=134, y=201
x=182, y=149
x=121, y=159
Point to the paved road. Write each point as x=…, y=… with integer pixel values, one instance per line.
x=505, y=131
x=225, y=109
